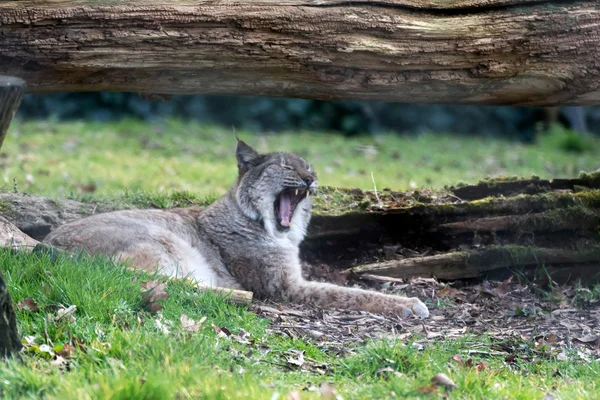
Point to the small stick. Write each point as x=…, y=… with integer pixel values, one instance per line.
x=241, y=297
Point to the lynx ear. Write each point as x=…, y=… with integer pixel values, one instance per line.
x=246, y=156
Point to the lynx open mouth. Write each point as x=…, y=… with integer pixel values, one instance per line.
x=286, y=203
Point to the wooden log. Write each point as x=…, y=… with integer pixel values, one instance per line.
x=241, y=297
x=14, y=238
x=11, y=94
x=512, y=52
x=474, y=263
x=10, y=343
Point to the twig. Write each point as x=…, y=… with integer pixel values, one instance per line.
x=375, y=189
x=15, y=188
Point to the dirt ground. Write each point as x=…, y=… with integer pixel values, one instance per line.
x=552, y=320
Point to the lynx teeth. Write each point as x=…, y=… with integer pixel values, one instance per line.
x=296, y=192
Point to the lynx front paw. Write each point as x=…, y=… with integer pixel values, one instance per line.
x=414, y=306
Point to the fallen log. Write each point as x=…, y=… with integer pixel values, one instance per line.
x=476, y=263
x=357, y=228
x=10, y=344
x=12, y=237
x=512, y=52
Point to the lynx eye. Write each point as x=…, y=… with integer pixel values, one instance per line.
x=288, y=168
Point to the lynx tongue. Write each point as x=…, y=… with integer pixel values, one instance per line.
x=285, y=209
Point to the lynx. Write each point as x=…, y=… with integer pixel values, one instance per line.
x=249, y=239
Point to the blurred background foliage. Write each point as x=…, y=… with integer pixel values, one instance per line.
x=261, y=114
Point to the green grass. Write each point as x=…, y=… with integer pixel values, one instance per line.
x=107, y=158
x=122, y=354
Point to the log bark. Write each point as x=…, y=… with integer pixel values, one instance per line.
x=512, y=52
x=475, y=263
x=11, y=94
x=10, y=343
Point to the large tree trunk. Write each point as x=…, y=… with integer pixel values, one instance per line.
x=513, y=52
x=468, y=232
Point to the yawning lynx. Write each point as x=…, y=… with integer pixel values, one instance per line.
x=246, y=240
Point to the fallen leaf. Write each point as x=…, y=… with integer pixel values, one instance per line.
x=503, y=288
x=511, y=359
x=66, y=314
x=155, y=308
x=327, y=391
x=589, y=338
x=449, y=292
x=457, y=359
x=429, y=389
x=298, y=360
x=154, y=291
x=58, y=361
x=482, y=366
x=443, y=380
x=67, y=351
x=220, y=332
x=295, y=395
x=28, y=305
x=189, y=324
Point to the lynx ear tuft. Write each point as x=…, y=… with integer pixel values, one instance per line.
x=246, y=156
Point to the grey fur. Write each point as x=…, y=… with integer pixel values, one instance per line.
x=236, y=242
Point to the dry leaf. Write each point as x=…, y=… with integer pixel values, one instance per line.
x=155, y=307
x=482, y=366
x=589, y=338
x=503, y=288
x=58, y=362
x=154, y=291
x=299, y=360
x=67, y=351
x=449, y=292
x=457, y=359
x=327, y=391
x=221, y=333
x=28, y=305
x=189, y=324
x=295, y=395
x=429, y=389
x=66, y=314
x=443, y=380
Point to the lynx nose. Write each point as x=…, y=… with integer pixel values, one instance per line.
x=309, y=180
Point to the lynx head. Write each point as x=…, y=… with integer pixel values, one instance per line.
x=276, y=189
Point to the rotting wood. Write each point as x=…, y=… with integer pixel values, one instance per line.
x=512, y=52
x=11, y=94
x=10, y=344
x=474, y=263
